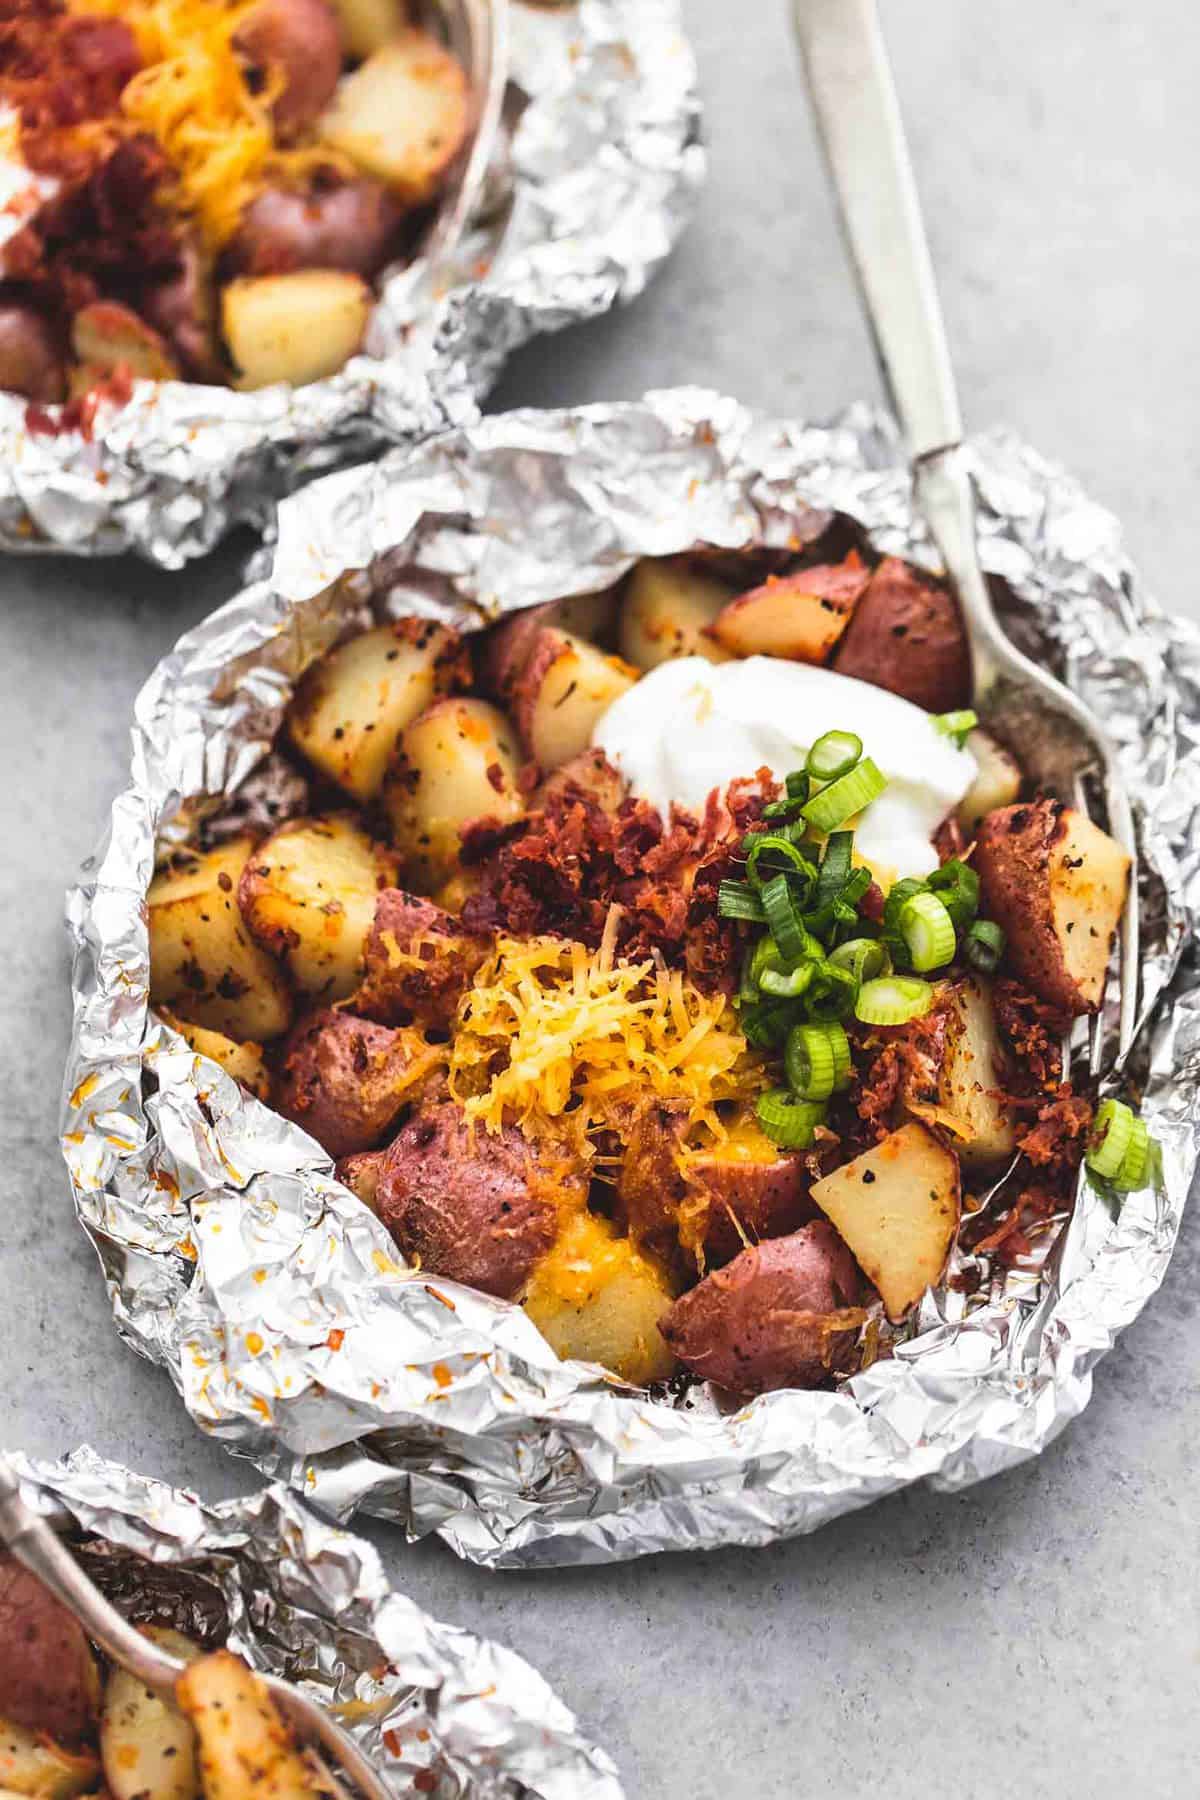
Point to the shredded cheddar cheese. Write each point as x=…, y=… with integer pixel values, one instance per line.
x=551, y=1028
x=193, y=97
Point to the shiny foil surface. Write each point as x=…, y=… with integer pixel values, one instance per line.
x=441, y=1713
x=276, y=1300
x=594, y=177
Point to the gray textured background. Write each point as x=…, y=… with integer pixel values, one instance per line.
x=1040, y=1634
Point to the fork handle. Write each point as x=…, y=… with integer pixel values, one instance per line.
x=44, y=1554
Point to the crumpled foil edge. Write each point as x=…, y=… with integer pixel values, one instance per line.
x=600, y=177
x=218, y=1225
x=442, y=1713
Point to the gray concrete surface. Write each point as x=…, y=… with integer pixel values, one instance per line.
x=1039, y=1635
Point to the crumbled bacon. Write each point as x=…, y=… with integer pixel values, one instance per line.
x=897, y=1065
x=1032, y=1031
x=1056, y=1141
x=59, y=71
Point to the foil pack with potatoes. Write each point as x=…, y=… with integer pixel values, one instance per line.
x=604, y=1005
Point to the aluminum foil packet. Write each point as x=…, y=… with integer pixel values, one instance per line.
x=595, y=174
x=441, y=1713
x=276, y=1300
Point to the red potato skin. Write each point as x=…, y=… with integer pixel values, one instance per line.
x=345, y=1079
x=588, y=777
x=395, y=993
x=360, y=1173
x=768, y=1200
x=906, y=635
x=352, y=225
x=30, y=360
x=472, y=1206
x=546, y=646
x=1012, y=854
x=48, y=1678
x=837, y=586
x=508, y=647
x=181, y=309
x=300, y=39
x=650, y=1187
x=773, y=1317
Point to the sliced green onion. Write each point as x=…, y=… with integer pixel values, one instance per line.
x=835, y=867
x=831, y=993
x=863, y=957
x=784, y=921
x=1112, y=1135
x=798, y=786
x=957, y=887
x=984, y=946
x=848, y=795
x=1135, y=1164
x=893, y=1000
x=787, y=984
x=956, y=725
x=928, y=932
x=817, y=1060
x=764, y=956
x=766, y=1023
x=788, y=1122
x=738, y=900
x=782, y=809
x=773, y=844
x=898, y=897
x=834, y=754
x=748, y=994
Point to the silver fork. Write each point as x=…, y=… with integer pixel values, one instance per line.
x=45, y=1555
x=1058, y=740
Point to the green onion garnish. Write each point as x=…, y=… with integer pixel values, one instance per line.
x=1112, y=1134
x=781, y=850
x=786, y=984
x=834, y=754
x=766, y=1023
x=788, y=1122
x=957, y=887
x=1135, y=1164
x=798, y=786
x=898, y=897
x=831, y=993
x=863, y=957
x=893, y=1000
x=928, y=932
x=956, y=725
x=738, y=900
x=784, y=921
x=983, y=946
x=817, y=1060
x=848, y=795
x=835, y=867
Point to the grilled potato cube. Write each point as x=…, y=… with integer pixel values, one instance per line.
x=971, y=1074
x=204, y=964
x=31, y=1764
x=561, y=692
x=245, y=1746
x=667, y=611
x=595, y=1298
x=106, y=336
x=243, y=1061
x=457, y=761
x=402, y=115
x=800, y=616
x=147, y=1746
x=297, y=327
x=308, y=895
x=997, y=784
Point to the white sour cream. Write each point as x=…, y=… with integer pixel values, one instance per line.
x=689, y=726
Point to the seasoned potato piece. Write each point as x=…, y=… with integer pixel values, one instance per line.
x=897, y=1207
x=561, y=692
x=344, y=1080
x=997, y=784
x=308, y=895
x=782, y=1314
x=297, y=327
x=588, y=776
x=507, y=646
x=352, y=705
x=295, y=48
x=147, y=1746
x=48, y=1678
x=402, y=115
x=106, y=336
x=972, y=1070
x=360, y=1173
x=667, y=611
x=798, y=616
x=906, y=635
x=367, y=25
x=204, y=964
x=457, y=761
x=244, y=1062
x=1057, y=885
x=419, y=963
x=245, y=1747
x=31, y=1764
x=595, y=1298
x=743, y=1190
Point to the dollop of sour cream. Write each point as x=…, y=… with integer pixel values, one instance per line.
x=689, y=726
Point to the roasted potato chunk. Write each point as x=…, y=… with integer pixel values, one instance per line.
x=561, y=692
x=48, y=1678
x=781, y=1314
x=668, y=611
x=588, y=777
x=204, y=964
x=744, y=1190
x=352, y=705
x=308, y=895
x=508, y=645
x=800, y=617
x=344, y=1080
x=245, y=1062
x=971, y=1077
x=905, y=635
x=147, y=1746
x=106, y=337
x=245, y=1747
x=367, y=25
x=419, y=963
x=897, y=1207
x=997, y=784
x=32, y=1764
x=595, y=1298
x=402, y=115
x=360, y=1173
x=293, y=45
x=1057, y=885
x=456, y=762
x=297, y=327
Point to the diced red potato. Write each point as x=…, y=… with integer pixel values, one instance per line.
x=473, y=1206
x=596, y=1298
x=781, y=1314
x=997, y=783
x=456, y=762
x=360, y=1173
x=668, y=610
x=1057, y=885
x=344, y=1080
x=349, y=225
x=106, y=337
x=906, y=635
x=800, y=616
x=750, y=1190
x=419, y=962
x=48, y=1677
x=508, y=645
x=147, y=1746
x=295, y=328
x=367, y=25
x=971, y=1077
x=31, y=362
x=402, y=115
x=564, y=687
x=589, y=776
x=296, y=46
